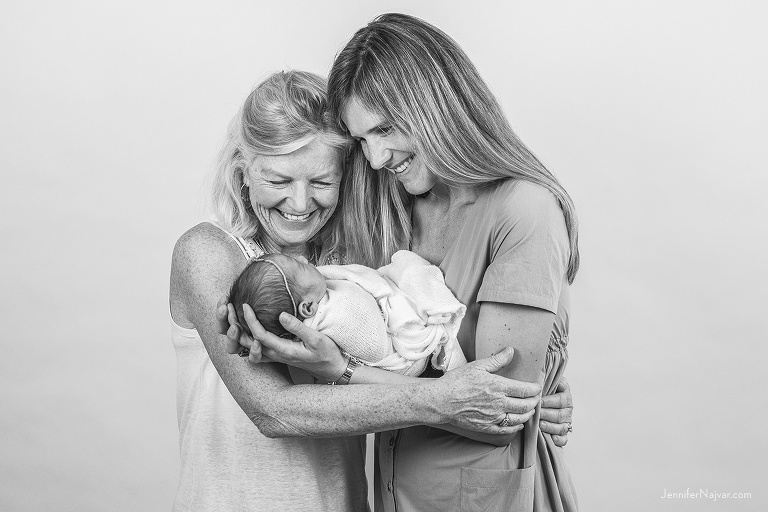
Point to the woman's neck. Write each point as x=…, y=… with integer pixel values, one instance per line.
x=289, y=250
x=296, y=250
x=449, y=196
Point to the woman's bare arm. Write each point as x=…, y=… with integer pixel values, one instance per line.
x=205, y=262
x=370, y=375
x=524, y=328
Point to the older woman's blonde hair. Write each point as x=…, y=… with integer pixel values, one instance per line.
x=420, y=80
x=282, y=114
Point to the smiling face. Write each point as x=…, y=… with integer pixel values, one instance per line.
x=294, y=195
x=387, y=147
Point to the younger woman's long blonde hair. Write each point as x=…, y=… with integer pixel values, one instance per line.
x=419, y=79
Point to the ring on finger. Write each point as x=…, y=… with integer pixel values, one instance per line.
x=505, y=422
x=570, y=427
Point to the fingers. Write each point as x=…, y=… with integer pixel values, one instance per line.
x=559, y=400
x=221, y=314
x=230, y=346
x=521, y=389
x=556, y=429
x=222, y=325
x=560, y=440
x=255, y=355
x=235, y=331
x=557, y=415
x=520, y=405
x=231, y=343
x=297, y=328
x=257, y=331
x=513, y=387
x=232, y=319
x=271, y=346
x=519, y=411
x=229, y=327
x=497, y=361
x=497, y=429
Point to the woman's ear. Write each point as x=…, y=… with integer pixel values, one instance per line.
x=307, y=308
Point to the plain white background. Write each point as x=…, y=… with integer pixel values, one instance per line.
x=653, y=114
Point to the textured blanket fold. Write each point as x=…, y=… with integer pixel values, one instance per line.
x=393, y=318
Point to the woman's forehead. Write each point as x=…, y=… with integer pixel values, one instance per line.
x=359, y=117
x=313, y=160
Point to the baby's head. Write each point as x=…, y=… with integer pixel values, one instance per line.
x=275, y=283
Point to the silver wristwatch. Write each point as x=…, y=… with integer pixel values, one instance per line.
x=352, y=363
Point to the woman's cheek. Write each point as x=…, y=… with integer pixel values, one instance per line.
x=328, y=198
x=266, y=198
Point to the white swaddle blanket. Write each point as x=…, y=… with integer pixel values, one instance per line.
x=394, y=318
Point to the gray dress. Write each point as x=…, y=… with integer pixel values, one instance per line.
x=513, y=248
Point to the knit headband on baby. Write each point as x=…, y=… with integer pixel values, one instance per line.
x=285, y=280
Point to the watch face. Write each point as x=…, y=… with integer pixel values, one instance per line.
x=351, y=365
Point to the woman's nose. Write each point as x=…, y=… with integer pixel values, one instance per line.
x=377, y=154
x=300, y=198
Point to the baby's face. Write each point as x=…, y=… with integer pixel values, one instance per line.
x=306, y=276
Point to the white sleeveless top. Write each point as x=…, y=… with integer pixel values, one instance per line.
x=228, y=465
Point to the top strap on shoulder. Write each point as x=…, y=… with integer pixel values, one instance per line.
x=248, y=246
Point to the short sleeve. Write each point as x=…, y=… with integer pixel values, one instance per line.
x=530, y=248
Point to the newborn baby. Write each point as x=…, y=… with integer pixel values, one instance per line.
x=395, y=318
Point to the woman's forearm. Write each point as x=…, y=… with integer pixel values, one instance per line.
x=371, y=375
x=469, y=397
x=329, y=411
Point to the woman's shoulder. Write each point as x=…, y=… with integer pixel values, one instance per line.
x=503, y=190
x=205, y=244
x=521, y=198
x=205, y=262
x=201, y=233
x=204, y=236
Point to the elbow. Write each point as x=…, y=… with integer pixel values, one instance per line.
x=273, y=427
x=274, y=415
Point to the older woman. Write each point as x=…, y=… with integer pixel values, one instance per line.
x=502, y=229
x=254, y=437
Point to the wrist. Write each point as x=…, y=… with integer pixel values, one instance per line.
x=430, y=401
x=351, y=363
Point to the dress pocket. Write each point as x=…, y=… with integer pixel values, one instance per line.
x=496, y=490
